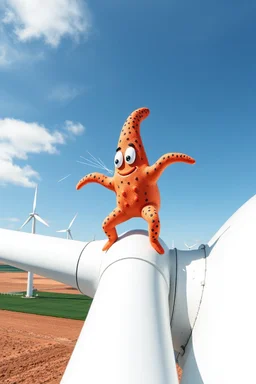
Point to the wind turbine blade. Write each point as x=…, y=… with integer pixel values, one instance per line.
x=186, y=245
x=63, y=178
x=62, y=230
x=70, y=235
x=41, y=220
x=92, y=156
x=72, y=221
x=27, y=221
x=34, y=203
x=90, y=161
x=101, y=162
x=90, y=165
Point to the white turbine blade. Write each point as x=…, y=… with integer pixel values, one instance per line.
x=101, y=162
x=62, y=230
x=41, y=220
x=90, y=161
x=90, y=165
x=106, y=168
x=34, y=203
x=186, y=245
x=63, y=178
x=70, y=235
x=27, y=221
x=191, y=246
x=92, y=156
x=72, y=221
x=93, y=163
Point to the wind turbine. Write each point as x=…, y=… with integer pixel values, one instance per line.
x=68, y=230
x=192, y=322
x=32, y=216
x=191, y=246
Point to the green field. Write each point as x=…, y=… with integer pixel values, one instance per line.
x=9, y=268
x=48, y=304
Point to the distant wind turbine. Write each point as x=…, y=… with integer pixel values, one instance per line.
x=68, y=230
x=32, y=216
x=191, y=246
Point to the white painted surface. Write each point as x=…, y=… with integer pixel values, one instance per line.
x=47, y=256
x=126, y=337
x=88, y=269
x=30, y=274
x=222, y=348
x=190, y=278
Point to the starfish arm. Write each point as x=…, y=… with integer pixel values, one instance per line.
x=154, y=171
x=96, y=177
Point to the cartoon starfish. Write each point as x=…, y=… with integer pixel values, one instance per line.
x=134, y=182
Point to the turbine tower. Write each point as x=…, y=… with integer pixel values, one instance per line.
x=68, y=230
x=32, y=216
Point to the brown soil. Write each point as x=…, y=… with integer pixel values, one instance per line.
x=17, y=281
x=35, y=349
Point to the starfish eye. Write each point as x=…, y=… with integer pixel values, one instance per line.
x=130, y=155
x=118, y=160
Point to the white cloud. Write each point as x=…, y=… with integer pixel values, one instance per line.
x=65, y=92
x=19, y=139
x=11, y=53
x=4, y=57
x=50, y=20
x=74, y=128
x=10, y=219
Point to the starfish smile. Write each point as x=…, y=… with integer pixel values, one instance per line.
x=127, y=173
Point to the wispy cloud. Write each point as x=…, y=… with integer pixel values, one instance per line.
x=50, y=20
x=19, y=139
x=11, y=53
x=65, y=93
x=10, y=219
x=74, y=128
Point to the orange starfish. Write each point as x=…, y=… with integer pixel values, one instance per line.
x=134, y=181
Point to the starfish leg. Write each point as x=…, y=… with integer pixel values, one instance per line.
x=116, y=217
x=150, y=214
x=154, y=171
x=96, y=177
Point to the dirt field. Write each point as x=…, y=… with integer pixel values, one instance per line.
x=34, y=349
x=17, y=281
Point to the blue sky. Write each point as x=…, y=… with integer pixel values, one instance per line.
x=71, y=74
